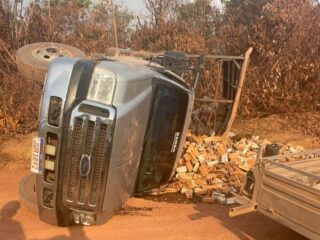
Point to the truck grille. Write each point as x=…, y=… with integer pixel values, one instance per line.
x=89, y=140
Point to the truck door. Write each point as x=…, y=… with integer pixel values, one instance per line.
x=163, y=137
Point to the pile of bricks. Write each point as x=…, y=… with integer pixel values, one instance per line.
x=212, y=169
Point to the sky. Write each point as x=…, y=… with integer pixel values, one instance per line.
x=137, y=7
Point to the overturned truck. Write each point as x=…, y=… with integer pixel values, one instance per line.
x=113, y=128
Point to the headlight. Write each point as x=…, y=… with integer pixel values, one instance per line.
x=54, y=111
x=102, y=86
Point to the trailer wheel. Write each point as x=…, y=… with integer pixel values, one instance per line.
x=27, y=192
x=33, y=59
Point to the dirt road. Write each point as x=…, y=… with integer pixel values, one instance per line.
x=164, y=217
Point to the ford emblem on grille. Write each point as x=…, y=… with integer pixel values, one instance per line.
x=85, y=165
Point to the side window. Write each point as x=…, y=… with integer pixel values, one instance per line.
x=163, y=136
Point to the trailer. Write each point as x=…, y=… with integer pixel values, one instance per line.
x=285, y=188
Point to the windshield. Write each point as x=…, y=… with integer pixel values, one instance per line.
x=163, y=137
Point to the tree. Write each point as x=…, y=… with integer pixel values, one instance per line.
x=160, y=10
x=201, y=15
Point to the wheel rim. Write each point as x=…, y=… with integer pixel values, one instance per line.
x=49, y=53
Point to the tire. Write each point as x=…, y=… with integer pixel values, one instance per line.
x=27, y=193
x=33, y=59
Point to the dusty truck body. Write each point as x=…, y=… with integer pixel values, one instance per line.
x=288, y=192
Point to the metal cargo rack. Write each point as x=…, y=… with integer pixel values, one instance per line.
x=228, y=85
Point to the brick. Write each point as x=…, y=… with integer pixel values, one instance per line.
x=195, y=152
x=213, y=186
x=201, y=181
x=221, y=148
x=196, y=167
x=172, y=190
x=187, y=157
x=204, y=170
x=234, y=157
x=208, y=200
x=190, y=184
x=199, y=191
x=183, y=176
x=208, y=166
x=189, y=166
x=208, y=140
x=182, y=169
x=211, y=176
x=187, y=192
x=201, y=158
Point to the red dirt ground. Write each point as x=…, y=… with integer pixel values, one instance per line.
x=164, y=217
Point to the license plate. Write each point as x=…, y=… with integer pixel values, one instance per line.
x=37, y=155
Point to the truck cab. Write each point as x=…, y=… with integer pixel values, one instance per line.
x=108, y=129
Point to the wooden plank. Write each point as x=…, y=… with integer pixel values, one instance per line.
x=237, y=98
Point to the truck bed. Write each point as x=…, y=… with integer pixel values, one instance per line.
x=289, y=192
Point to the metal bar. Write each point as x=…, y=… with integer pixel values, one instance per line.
x=237, y=64
x=303, y=161
x=234, y=83
x=228, y=82
x=306, y=166
x=83, y=136
x=236, y=211
x=218, y=57
x=277, y=157
x=308, y=169
x=292, y=182
x=286, y=189
x=197, y=70
x=94, y=150
x=258, y=174
x=94, y=142
x=219, y=79
x=75, y=158
x=214, y=100
x=292, y=169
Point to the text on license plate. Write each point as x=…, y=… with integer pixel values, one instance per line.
x=37, y=154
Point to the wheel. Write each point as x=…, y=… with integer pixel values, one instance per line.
x=27, y=192
x=33, y=59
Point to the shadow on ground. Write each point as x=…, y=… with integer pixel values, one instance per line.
x=12, y=229
x=9, y=227
x=248, y=226
x=253, y=225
